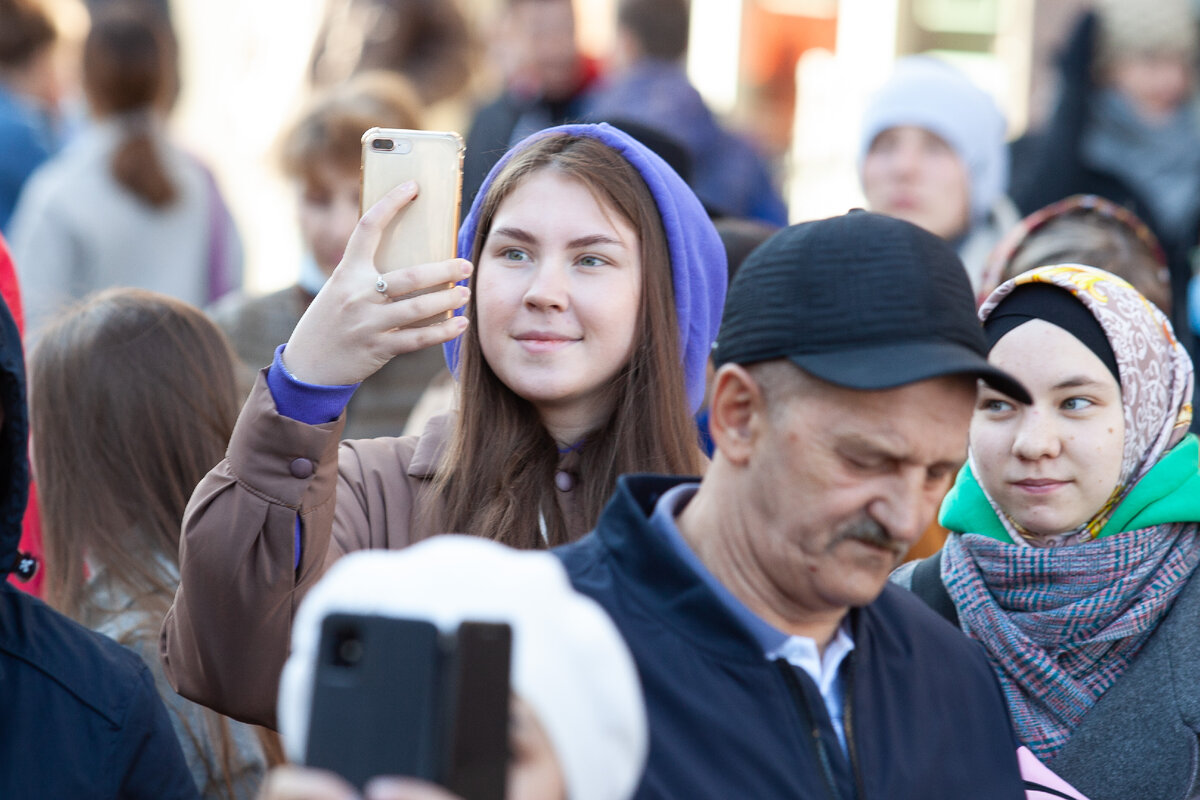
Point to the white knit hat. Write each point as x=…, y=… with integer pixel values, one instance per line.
x=569, y=663
x=928, y=93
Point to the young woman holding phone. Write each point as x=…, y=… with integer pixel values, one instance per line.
x=597, y=282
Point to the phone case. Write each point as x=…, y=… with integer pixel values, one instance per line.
x=426, y=229
x=377, y=703
x=479, y=685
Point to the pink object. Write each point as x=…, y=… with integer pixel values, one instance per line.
x=1036, y=773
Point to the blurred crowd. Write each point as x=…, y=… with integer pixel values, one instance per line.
x=787, y=471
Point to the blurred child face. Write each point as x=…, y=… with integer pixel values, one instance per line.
x=328, y=212
x=1155, y=83
x=914, y=175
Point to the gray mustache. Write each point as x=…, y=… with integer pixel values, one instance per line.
x=870, y=532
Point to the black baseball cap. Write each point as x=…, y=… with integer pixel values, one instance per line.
x=861, y=300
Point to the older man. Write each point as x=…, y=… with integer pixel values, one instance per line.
x=776, y=660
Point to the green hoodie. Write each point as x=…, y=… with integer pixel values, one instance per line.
x=1169, y=492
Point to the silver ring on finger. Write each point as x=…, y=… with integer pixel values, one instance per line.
x=381, y=286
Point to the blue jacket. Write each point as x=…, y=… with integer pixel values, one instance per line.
x=925, y=717
x=79, y=713
x=25, y=142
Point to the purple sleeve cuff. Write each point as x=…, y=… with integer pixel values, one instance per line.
x=305, y=402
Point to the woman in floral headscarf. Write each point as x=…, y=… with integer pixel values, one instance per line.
x=1076, y=534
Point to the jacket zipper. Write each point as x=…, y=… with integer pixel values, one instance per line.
x=801, y=702
x=851, y=750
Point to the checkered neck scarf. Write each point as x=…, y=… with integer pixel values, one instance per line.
x=1061, y=624
x=1062, y=621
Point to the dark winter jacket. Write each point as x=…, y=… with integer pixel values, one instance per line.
x=1142, y=738
x=924, y=717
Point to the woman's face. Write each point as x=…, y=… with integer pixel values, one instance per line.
x=914, y=175
x=558, y=289
x=1053, y=464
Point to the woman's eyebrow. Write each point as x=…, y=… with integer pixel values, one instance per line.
x=520, y=234
x=593, y=240
x=1077, y=381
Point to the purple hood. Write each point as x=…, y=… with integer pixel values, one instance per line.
x=698, y=262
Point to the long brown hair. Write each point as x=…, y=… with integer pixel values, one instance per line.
x=498, y=476
x=130, y=69
x=132, y=401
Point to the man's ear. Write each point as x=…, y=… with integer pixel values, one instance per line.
x=735, y=412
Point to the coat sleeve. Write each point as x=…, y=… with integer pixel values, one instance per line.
x=226, y=637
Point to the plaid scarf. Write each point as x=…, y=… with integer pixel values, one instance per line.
x=1061, y=624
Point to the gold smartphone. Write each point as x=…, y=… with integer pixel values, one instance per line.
x=426, y=229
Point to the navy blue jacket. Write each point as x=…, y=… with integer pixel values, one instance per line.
x=79, y=713
x=925, y=717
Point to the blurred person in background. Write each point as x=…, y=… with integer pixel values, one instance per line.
x=1084, y=229
x=932, y=152
x=320, y=153
x=122, y=204
x=545, y=79
x=160, y=376
x=81, y=715
x=646, y=83
x=426, y=41
x=577, y=723
x=1126, y=127
x=29, y=96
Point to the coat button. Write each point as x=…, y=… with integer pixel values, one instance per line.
x=565, y=481
x=301, y=467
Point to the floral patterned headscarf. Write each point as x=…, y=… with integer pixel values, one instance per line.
x=1155, y=377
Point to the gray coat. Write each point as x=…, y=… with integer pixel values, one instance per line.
x=1142, y=738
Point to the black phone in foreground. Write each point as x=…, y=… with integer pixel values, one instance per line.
x=399, y=697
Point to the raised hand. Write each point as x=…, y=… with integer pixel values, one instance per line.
x=357, y=322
